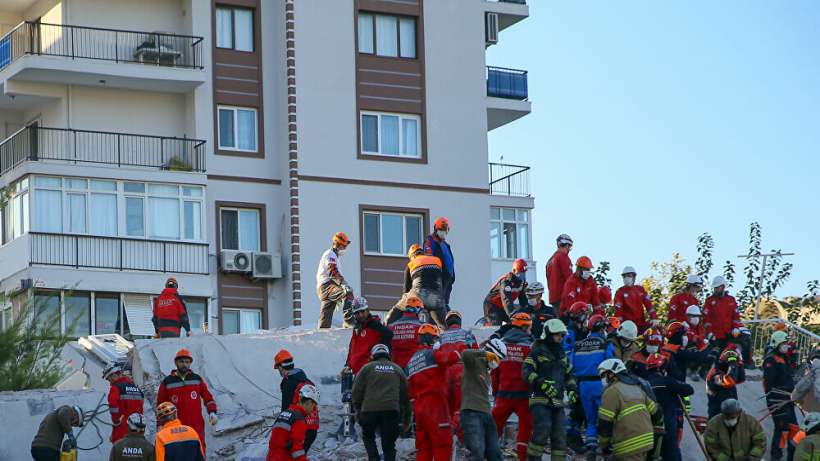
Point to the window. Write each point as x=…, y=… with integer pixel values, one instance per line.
x=386, y=35
x=241, y=321
x=77, y=315
x=77, y=205
x=166, y=211
x=15, y=213
x=509, y=233
x=395, y=135
x=391, y=233
x=47, y=312
x=234, y=28
x=197, y=313
x=237, y=129
x=106, y=313
x=240, y=229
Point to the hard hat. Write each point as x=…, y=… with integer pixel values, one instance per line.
x=171, y=283
x=111, y=369
x=728, y=355
x=497, y=347
x=614, y=323
x=604, y=294
x=309, y=391
x=694, y=310
x=629, y=270
x=596, y=321
x=778, y=338
x=521, y=319
x=341, y=239
x=136, y=422
x=80, y=415
x=614, y=365
x=694, y=279
x=414, y=249
x=414, y=301
x=283, y=359
x=577, y=309
x=182, y=354
x=452, y=317
x=535, y=288
x=718, y=281
x=380, y=350
x=359, y=304
x=553, y=327
x=442, y=224
x=654, y=340
x=166, y=410
x=428, y=329
x=655, y=361
x=519, y=265
x=628, y=330
x=780, y=325
x=584, y=262
x=811, y=421
x=730, y=407
x=674, y=328
x=564, y=239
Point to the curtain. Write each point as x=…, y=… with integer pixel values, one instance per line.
x=366, y=33
x=76, y=213
x=224, y=28
x=230, y=229
x=523, y=241
x=251, y=321
x=226, y=128
x=191, y=224
x=103, y=214
x=246, y=129
x=163, y=218
x=410, y=136
x=249, y=230
x=393, y=234
x=134, y=216
x=243, y=23
x=386, y=36
x=390, y=135
x=48, y=214
x=407, y=31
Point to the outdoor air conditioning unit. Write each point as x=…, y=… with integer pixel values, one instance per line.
x=491, y=28
x=235, y=261
x=267, y=266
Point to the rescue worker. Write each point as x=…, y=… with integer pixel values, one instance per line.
x=405, y=331
x=680, y=302
x=188, y=392
x=667, y=389
x=382, y=403
x=632, y=299
x=624, y=343
x=510, y=389
x=293, y=380
x=455, y=338
x=367, y=332
x=722, y=380
x=176, y=441
x=436, y=245
x=637, y=363
x=722, y=320
x=778, y=384
x=549, y=374
x=559, y=269
x=809, y=447
x=501, y=301
x=480, y=431
x=287, y=438
x=579, y=287
x=170, y=315
x=538, y=310
x=576, y=328
x=124, y=399
x=425, y=373
x=588, y=354
x=807, y=390
x=53, y=428
x=628, y=418
x=422, y=278
x=134, y=446
x=331, y=286
x=697, y=346
x=734, y=434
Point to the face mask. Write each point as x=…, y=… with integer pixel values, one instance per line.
x=441, y=234
x=652, y=349
x=532, y=301
x=784, y=348
x=730, y=422
x=628, y=281
x=586, y=274
x=694, y=321
x=341, y=251
x=604, y=382
x=684, y=341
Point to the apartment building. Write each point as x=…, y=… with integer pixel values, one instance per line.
x=223, y=142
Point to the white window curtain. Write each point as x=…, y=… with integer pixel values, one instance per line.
x=407, y=31
x=226, y=128
x=249, y=230
x=224, y=28
x=386, y=36
x=163, y=218
x=243, y=24
x=366, y=33
x=246, y=129
x=390, y=135
x=192, y=219
x=103, y=214
x=250, y=321
x=76, y=213
x=134, y=216
x=393, y=234
x=410, y=136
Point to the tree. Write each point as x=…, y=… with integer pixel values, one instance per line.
x=665, y=280
x=602, y=274
x=806, y=307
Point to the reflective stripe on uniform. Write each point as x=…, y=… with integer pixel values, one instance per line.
x=183, y=384
x=297, y=454
x=629, y=410
x=606, y=414
x=633, y=444
x=282, y=425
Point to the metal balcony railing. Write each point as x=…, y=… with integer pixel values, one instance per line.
x=155, y=48
x=34, y=143
x=520, y=2
x=507, y=83
x=118, y=253
x=512, y=180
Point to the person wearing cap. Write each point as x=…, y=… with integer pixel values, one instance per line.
x=293, y=379
x=134, y=446
x=176, y=441
x=53, y=428
x=806, y=393
x=422, y=278
x=667, y=389
x=455, y=338
x=587, y=354
x=723, y=378
x=480, y=432
x=631, y=300
x=368, y=331
x=579, y=287
x=734, y=434
x=808, y=449
x=405, y=330
x=331, y=287
x=382, y=403
x=559, y=269
x=436, y=244
x=506, y=294
x=688, y=297
x=721, y=318
x=778, y=384
x=124, y=399
x=623, y=344
x=188, y=392
x=170, y=315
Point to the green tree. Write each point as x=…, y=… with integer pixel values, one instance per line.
x=601, y=274
x=666, y=279
x=806, y=307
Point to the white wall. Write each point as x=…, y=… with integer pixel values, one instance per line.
x=103, y=109
x=8, y=20
x=143, y=15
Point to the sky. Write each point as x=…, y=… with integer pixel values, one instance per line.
x=653, y=122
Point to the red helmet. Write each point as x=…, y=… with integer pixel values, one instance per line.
x=584, y=262
x=519, y=265
x=674, y=328
x=184, y=354
x=605, y=295
x=341, y=239
x=655, y=361
x=614, y=323
x=578, y=309
x=441, y=224
x=596, y=321
x=655, y=340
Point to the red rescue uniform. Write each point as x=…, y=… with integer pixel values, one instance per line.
x=678, y=305
x=363, y=339
x=559, y=268
x=124, y=399
x=720, y=315
x=630, y=303
x=577, y=289
x=188, y=393
x=170, y=314
x=511, y=391
x=287, y=438
x=405, y=340
x=457, y=339
x=501, y=301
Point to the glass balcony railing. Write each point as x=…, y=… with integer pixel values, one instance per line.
x=507, y=83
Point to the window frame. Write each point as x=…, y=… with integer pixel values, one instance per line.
x=232, y=10
x=239, y=311
x=238, y=210
x=405, y=242
x=375, y=43
x=402, y=116
x=516, y=222
x=235, y=110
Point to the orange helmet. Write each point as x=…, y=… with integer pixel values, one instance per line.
x=183, y=354
x=779, y=326
x=577, y=309
x=171, y=283
x=165, y=410
x=283, y=359
x=341, y=239
x=414, y=301
x=521, y=319
x=428, y=329
x=655, y=361
x=519, y=265
x=442, y=224
x=595, y=321
x=605, y=295
x=414, y=249
x=584, y=262
x=614, y=323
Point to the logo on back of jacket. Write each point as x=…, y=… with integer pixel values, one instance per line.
x=165, y=302
x=421, y=361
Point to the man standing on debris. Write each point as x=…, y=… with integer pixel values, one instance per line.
x=477, y=425
x=722, y=321
x=632, y=299
x=367, y=332
x=188, y=392
x=436, y=245
x=57, y=424
x=734, y=434
x=667, y=389
x=778, y=383
x=175, y=441
x=133, y=447
x=559, y=268
x=506, y=295
x=382, y=403
x=330, y=285
x=124, y=399
x=170, y=313
x=293, y=379
x=723, y=378
x=679, y=303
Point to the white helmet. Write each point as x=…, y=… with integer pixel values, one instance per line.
x=810, y=422
x=628, y=330
x=309, y=392
x=694, y=279
x=80, y=415
x=564, y=239
x=380, y=349
x=614, y=365
x=535, y=288
x=553, y=326
x=497, y=347
x=629, y=270
x=359, y=304
x=718, y=281
x=136, y=422
x=694, y=309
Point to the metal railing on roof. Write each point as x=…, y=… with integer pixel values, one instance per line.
x=805, y=340
x=512, y=180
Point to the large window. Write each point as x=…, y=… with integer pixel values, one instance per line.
x=509, y=233
x=386, y=35
x=239, y=229
x=234, y=28
x=46, y=314
x=166, y=211
x=77, y=314
x=395, y=135
x=241, y=320
x=237, y=128
x=391, y=233
x=197, y=313
x=15, y=213
x=106, y=313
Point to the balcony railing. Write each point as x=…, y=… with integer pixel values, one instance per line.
x=34, y=143
x=520, y=2
x=507, y=83
x=512, y=180
x=117, y=253
x=113, y=45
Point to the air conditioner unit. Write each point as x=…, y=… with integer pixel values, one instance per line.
x=235, y=261
x=267, y=266
x=491, y=28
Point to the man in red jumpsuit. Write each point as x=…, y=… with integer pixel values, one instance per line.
x=287, y=437
x=425, y=375
x=721, y=321
x=508, y=291
x=405, y=330
x=688, y=297
x=188, y=392
x=170, y=314
x=580, y=286
x=124, y=399
x=559, y=268
x=455, y=338
x=631, y=300
x=368, y=331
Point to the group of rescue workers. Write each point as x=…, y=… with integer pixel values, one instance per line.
x=582, y=373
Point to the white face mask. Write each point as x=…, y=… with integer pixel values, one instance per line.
x=730, y=422
x=694, y=321
x=652, y=349
x=341, y=251
x=604, y=382
x=532, y=301
x=684, y=341
x=441, y=234
x=784, y=348
x=586, y=274
x=628, y=281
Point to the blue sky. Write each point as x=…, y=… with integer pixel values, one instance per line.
x=653, y=122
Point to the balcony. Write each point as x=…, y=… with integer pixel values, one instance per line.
x=33, y=144
x=507, y=95
x=509, y=11
x=509, y=180
x=118, y=253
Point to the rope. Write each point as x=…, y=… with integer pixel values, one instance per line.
x=93, y=417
